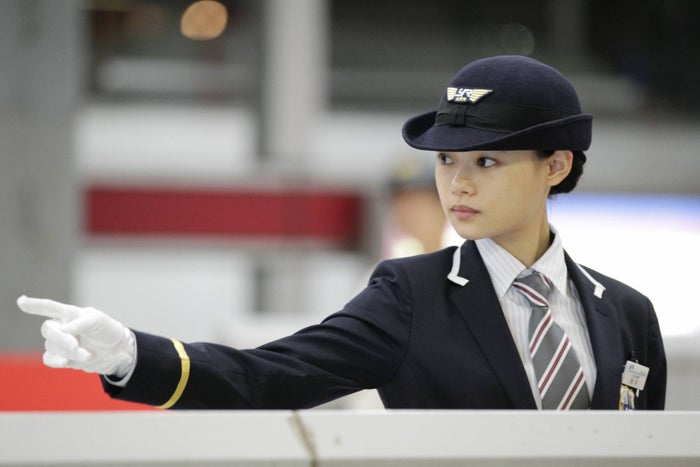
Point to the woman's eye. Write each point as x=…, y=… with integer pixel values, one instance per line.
x=485, y=162
x=444, y=159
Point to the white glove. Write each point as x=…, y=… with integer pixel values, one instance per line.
x=82, y=338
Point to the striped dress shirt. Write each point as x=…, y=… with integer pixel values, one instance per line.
x=563, y=300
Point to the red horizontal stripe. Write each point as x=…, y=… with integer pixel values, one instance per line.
x=301, y=213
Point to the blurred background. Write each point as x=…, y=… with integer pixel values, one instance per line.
x=229, y=171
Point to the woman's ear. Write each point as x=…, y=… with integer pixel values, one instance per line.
x=559, y=165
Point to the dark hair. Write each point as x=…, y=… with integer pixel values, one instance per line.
x=571, y=180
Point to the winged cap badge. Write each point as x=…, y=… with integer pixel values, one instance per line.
x=463, y=95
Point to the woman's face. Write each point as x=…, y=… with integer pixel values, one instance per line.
x=496, y=194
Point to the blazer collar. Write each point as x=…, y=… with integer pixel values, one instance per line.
x=478, y=304
x=602, y=322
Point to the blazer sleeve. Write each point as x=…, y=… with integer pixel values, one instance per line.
x=359, y=347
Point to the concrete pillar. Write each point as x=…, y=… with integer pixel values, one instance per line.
x=40, y=60
x=294, y=79
x=292, y=97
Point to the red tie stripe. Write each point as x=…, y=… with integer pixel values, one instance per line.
x=554, y=365
x=531, y=294
x=540, y=331
x=573, y=390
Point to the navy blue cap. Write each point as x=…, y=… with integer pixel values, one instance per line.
x=504, y=103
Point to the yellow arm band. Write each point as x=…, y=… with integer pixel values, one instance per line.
x=184, y=375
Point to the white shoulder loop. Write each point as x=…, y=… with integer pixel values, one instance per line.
x=599, y=288
x=454, y=272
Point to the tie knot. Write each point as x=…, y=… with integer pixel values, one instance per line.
x=535, y=286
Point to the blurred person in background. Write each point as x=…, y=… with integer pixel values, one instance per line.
x=415, y=223
x=506, y=320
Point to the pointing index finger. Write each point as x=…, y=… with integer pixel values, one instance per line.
x=48, y=308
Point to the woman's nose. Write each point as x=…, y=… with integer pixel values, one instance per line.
x=463, y=183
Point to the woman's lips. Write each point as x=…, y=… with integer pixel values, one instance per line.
x=464, y=212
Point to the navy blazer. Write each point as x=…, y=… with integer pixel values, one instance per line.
x=428, y=332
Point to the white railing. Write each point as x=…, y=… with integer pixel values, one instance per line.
x=367, y=438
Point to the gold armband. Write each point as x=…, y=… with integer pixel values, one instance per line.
x=184, y=375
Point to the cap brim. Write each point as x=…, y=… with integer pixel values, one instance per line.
x=571, y=133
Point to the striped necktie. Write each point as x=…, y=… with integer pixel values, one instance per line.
x=560, y=378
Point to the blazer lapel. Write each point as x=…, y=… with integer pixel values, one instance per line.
x=605, y=340
x=478, y=304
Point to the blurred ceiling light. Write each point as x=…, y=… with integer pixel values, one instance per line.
x=204, y=20
x=518, y=39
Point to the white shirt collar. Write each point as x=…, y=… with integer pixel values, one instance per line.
x=504, y=267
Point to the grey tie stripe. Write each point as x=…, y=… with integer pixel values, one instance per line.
x=560, y=378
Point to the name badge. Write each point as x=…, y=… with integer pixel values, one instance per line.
x=635, y=375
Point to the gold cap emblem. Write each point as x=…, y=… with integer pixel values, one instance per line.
x=463, y=95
